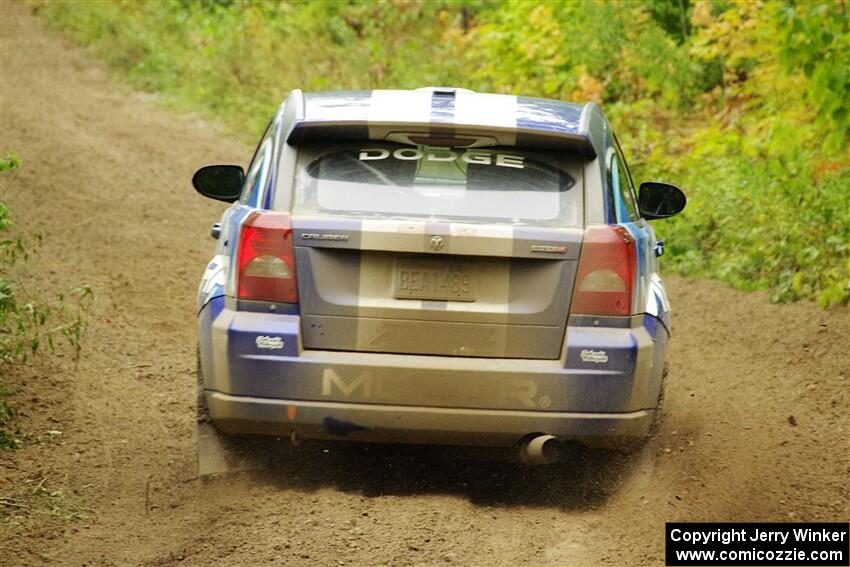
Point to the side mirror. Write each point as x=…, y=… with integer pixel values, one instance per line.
x=660, y=200
x=219, y=182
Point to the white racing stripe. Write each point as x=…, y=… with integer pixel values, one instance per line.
x=393, y=226
x=484, y=230
x=383, y=234
x=212, y=276
x=481, y=109
x=400, y=106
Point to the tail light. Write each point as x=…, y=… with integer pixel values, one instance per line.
x=606, y=272
x=265, y=259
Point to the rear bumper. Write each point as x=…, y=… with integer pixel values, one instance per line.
x=416, y=424
x=603, y=391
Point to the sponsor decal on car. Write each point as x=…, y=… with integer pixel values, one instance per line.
x=270, y=343
x=595, y=356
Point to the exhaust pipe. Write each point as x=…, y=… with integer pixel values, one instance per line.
x=541, y=450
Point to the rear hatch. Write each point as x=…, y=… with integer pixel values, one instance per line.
x=419, y=249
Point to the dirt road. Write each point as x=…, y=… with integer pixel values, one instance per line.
x=106, y=180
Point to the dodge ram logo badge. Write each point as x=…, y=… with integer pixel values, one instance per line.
x=437, y=243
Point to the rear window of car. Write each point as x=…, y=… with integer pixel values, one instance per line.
x=494, y=184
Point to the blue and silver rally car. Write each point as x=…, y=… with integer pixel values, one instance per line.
x=434, y=266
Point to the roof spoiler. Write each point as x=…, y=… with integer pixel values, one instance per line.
x=305, y=130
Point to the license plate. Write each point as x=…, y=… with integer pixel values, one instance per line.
x=435, y=281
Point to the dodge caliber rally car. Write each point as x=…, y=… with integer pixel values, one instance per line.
x=434, y=266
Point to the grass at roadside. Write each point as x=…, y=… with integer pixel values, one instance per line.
x=28, y=323
x=8, y=438
x=747, y=106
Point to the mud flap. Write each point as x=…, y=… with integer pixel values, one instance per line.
x=219, y=454
x=643, y=461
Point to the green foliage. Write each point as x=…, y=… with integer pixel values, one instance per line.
x=673, y=16
x=745, y=104
x=9, y=161
x=815, y=40
x=237, y=60
x=8, y=440
x=767, y=232
x=28, y=324
x=598, y=51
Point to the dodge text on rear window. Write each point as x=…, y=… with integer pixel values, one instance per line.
x=486, y=184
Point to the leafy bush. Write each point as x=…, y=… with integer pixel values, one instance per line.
x=8, y=440
x=25, y=325
x=745, y=104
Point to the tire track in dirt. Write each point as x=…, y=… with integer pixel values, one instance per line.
x=106, y=180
